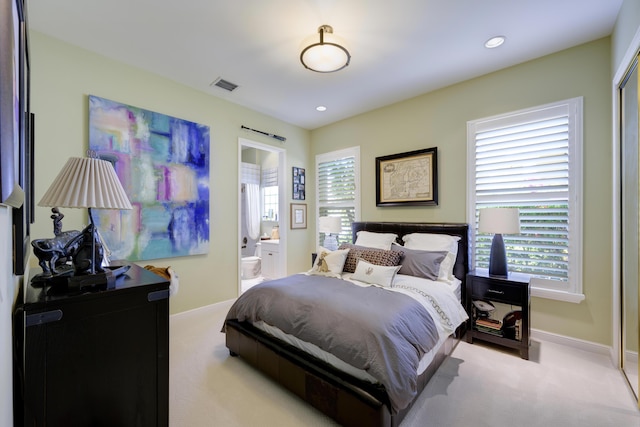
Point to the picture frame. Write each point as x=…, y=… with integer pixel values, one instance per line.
x=16, y=127
x=298, y=183
x=408, y=179
x=298, y=216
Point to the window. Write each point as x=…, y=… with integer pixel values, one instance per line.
x=269, y=183
x=532, y=160
x=338, y=188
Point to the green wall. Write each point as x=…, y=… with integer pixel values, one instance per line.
x=438, y=119
x=62, y=78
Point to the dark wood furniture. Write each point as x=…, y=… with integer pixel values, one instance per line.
x=514, y=291
x=93, y=358
x=349, y=401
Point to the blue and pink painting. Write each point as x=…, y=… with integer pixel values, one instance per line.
x=163, y=165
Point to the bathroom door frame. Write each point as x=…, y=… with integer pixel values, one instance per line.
x=283, y=217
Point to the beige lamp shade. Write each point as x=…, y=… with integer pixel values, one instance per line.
x=86, y=183
x=330, y=224
x=499, y=221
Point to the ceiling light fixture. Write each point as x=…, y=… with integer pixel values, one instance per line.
x=325, y=56
x=321, y=108
x=494, y=42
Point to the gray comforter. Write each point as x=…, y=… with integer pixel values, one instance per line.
x=382, y=332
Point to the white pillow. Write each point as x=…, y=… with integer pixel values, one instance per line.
x=329, y=263
x=375, y=240
x=436, y=243
x=375, y=274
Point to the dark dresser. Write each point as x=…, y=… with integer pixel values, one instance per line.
x=98, y=358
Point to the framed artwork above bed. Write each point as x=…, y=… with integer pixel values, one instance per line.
x=409, y=178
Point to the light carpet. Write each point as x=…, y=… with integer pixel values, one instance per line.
x=479, y=385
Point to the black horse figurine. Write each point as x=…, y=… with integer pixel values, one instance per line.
x=86, y=251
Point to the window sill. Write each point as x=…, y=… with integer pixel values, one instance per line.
x=557, y=295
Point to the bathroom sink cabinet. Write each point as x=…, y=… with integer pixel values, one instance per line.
x=271, y=259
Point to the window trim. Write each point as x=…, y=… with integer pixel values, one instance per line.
x=573, y=291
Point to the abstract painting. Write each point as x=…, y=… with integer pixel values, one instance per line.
x=163, y=164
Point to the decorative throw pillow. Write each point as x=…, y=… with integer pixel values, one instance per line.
x=375, y=274
x=375, y=240
x=374, y=256
x=329, y=263
x=435, y=243
x=425, y=264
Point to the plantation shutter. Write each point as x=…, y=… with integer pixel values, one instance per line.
x=337, y=188
x=524, y=161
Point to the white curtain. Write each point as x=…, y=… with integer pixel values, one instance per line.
x=252, y=213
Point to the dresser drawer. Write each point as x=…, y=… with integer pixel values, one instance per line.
x=495, y=291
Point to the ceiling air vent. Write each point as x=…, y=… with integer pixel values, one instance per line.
x=224, y=84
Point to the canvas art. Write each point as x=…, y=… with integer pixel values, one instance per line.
x=163, y=164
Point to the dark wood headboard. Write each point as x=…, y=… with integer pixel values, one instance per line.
x=461, y=267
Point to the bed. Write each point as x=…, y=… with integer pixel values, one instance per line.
x=341, y=391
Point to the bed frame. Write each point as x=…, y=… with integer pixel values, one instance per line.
x=348, y=400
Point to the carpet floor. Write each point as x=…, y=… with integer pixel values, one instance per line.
x=479, y=385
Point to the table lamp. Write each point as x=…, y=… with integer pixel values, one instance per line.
x=87, y=183
x=499, y=221
x=331, y=227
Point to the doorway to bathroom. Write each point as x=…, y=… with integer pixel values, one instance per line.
x=262, y=216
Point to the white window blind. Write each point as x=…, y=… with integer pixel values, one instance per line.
x=269, y=184
x=532, y=160
x=338, y=188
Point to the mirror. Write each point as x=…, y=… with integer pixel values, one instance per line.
x=629, y=222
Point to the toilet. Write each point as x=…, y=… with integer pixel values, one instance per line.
x=251, y=265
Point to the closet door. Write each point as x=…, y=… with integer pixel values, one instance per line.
x=630, y=226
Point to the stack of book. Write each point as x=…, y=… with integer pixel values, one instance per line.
x=489, y=326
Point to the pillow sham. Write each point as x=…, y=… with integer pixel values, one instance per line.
x=328, y=262
x=436, y=243
x=424, y=264
x=375, y=274
x=375, y=240
x=374, y=256
x=431, y=242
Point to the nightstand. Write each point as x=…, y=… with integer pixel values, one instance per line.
x=512, y=292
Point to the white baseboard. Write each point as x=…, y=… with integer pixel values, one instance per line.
x=203, y=308
x=575, y=343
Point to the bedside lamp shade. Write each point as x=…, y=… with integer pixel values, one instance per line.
x=86, y=183
x=330, y=225
x=499, y=221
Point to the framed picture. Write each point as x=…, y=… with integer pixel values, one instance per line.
x=15, y=126
x=298, y=215
x=409, y=178
x=298, y=183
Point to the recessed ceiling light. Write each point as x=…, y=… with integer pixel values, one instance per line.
x=321, y=108
x=494, y=42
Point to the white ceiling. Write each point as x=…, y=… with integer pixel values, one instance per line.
x=399, y=48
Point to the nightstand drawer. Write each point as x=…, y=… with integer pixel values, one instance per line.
x=491, y=290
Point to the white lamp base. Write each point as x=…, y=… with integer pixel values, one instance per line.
x=331, y=242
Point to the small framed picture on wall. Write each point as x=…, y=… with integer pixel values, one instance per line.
x=298, y=215
x=298, y=183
